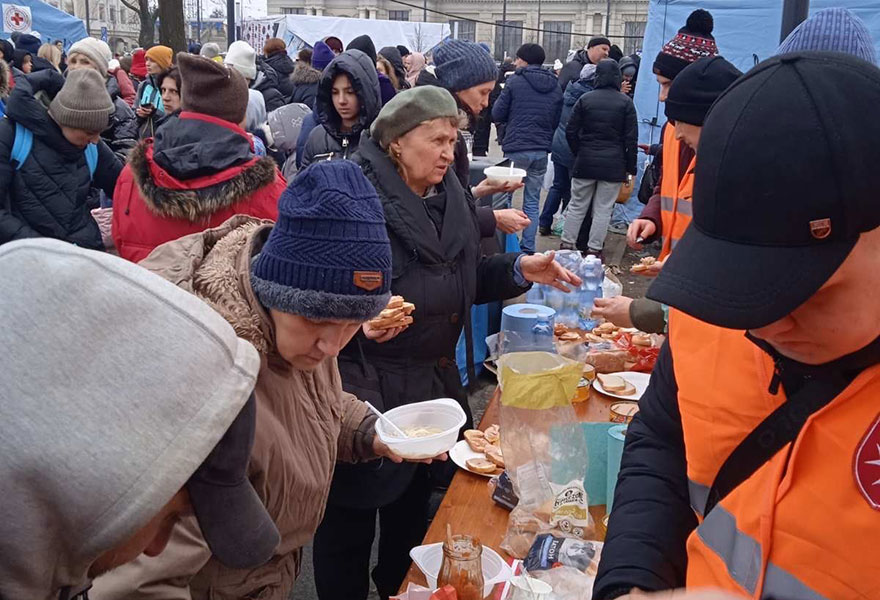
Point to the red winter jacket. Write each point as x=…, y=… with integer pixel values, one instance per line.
x=194, y=175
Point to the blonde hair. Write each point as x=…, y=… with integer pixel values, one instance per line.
x=389, y=70
x=51, y=53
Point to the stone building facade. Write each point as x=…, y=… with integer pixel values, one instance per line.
x=111, y=16
x=566, y=24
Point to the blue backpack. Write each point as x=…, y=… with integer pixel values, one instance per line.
x=24, y=141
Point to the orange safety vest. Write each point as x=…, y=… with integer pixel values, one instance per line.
x=803, y=525
x=676, y=209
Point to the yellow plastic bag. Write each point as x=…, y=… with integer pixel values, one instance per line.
x=545, y=451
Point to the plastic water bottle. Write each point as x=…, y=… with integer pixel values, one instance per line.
x=592, y=273
x=544, y=338
x=536, y=294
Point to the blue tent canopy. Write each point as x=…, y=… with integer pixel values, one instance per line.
x=53, y=24
x=746, y=31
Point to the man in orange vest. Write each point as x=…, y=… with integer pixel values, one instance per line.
x=753, y=466
x=692, y=42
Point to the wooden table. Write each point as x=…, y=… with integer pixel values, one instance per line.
x=468, y=507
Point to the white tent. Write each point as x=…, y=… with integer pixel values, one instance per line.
x=300, y=30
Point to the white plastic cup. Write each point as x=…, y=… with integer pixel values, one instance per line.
x=524, y=587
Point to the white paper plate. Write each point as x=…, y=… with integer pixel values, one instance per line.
x=461, y=453
x=639, y=380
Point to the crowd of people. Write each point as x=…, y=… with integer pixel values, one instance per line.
x=193, y=451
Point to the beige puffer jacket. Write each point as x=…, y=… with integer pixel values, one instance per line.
x=305, y=423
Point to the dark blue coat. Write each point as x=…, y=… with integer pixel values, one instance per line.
x=49, y=195
x=561, y=152
x=530, y=105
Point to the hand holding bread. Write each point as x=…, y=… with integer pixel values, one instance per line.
x=392, y=321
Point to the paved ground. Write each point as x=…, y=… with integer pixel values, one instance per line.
x=617, y=254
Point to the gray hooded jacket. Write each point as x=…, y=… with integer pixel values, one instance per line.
x=109, y=404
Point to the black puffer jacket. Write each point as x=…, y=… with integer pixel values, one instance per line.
x=327, y=140
x=602, y=131
x=49, y=195
x=266, y=83
x=304, y=82
x=443, y=274
x=283, y=66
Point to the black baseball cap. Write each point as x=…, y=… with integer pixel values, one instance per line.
x=233, y=520
x=785, y=183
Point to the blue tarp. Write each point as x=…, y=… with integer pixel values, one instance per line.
x=53, y=24
x=746, y=31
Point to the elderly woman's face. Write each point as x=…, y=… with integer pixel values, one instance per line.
x=426, y=152
x=305, y=343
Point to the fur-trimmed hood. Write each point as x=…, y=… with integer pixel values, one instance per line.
x=215, y=265
x=197, y=168
x=195, y=203
x=304, y=74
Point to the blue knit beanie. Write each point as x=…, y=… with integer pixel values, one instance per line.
x=328, y=256
x=833, y=30
x=462, y=65
x=321, y=56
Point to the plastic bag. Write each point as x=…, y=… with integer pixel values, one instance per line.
x=640, y=358
x=544, y=448
x=611, y=286
x=550, y=552
x=569, y=566
x=548, y=175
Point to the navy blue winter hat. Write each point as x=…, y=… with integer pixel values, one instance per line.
x=461, y=65
x=321, y=56
x=832, y=30
x=328, y=256
x=28, y=42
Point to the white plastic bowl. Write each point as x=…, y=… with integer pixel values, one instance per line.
x=429, y=558
x=504, y=175
x=445, y=414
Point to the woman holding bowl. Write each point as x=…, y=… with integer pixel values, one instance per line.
x=437, y=265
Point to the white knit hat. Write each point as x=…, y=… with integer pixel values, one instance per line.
x=243, y=58
x=97, y=51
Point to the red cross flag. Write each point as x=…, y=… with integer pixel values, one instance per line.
x=16, y=18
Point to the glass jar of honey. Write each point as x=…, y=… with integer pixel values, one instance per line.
x=462, y=567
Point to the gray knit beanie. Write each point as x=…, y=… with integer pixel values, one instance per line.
x=462, y=65
x=409, y=109
x=83, y=102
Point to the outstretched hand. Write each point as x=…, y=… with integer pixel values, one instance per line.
x=542, y=268
x=511, y=220
x=487, y=187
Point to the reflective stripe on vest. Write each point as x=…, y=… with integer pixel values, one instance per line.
x=675, y=194
x=698, y=493
x=741, y=554
x=684, y=207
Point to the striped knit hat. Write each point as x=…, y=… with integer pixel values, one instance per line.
x=328, y=256
x=832, y=30
x=692, y=42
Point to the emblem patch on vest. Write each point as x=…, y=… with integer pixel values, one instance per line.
x=821, y=228
x=866, y=465
x=368, y=280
